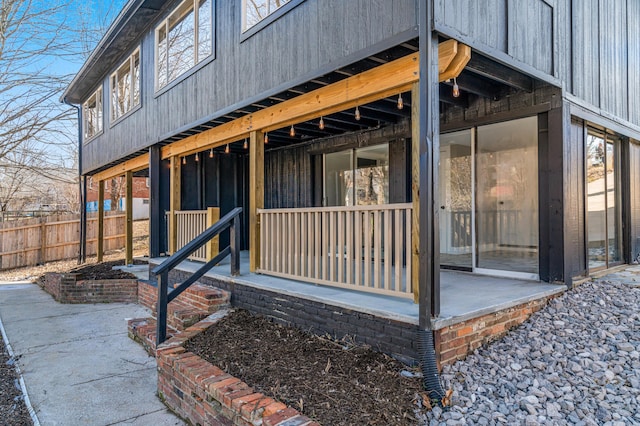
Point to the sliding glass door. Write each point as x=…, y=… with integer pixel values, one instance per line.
x=488, y=185
x=507, y=196
x=456, y=200
x=604, y=215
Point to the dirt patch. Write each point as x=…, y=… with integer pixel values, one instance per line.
x=13, y=410
x=333, y=382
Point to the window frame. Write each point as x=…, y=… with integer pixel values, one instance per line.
x=99, y=101
x=353, y=164
x=113, y=87
x=264, y=22
x=197, y=62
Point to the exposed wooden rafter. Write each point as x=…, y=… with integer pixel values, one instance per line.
x=369, y=86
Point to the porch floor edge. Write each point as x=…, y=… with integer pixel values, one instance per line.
x=457, y=306
x=368, y=303
x=442, y=322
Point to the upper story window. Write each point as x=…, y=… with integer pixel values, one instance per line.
x=254, y=11
x=92, y=115
x=183, y=40
x=125, y=86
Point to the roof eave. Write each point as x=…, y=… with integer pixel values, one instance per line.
x=71, y=95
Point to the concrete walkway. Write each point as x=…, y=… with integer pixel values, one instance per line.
x=78, y=364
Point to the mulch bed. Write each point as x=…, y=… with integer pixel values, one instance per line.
x=13, y=411
x=105, y=271
x=333, y=382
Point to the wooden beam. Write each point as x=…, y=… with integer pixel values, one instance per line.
x=493, y=70
x=372, y=85
x=446, y=53
x=135, y=164
x=461, y=59
x=415, y=190
x=378, y=83
x=129, y=215
x=174, y=202
x=256, y=196
x=100, y=249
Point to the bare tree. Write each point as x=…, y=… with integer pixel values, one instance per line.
x=38, y=135
x=29, y=87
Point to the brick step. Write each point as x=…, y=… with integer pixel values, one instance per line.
x=143, y=331
x=180, y=315
x=194, y=304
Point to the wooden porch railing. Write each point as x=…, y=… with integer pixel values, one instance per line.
x=365, y=248
x=190, y=224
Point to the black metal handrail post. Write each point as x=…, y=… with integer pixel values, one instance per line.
x=234, y=234
x=232, y=221
x=161, y=310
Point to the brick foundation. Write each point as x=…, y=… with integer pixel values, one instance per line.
x=395, y=338
x=71, y=288
x=456, y=341
x=204, y=394
x=398, y=339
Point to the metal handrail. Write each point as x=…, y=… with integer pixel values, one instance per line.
x=232, y=221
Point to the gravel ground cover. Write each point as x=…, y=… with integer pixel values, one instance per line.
x=575, y=362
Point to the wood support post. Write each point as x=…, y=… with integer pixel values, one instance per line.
x=100, y=249
x=256, y=196
x=174, y=202
x=213, y=246
x=429, y=152
x=155, y=211
x=415, y=190
x=129, y=215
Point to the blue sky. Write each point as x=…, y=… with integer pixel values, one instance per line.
x=75, y=27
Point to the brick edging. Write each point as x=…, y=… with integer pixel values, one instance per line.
x=204, y=394
x=71, y=288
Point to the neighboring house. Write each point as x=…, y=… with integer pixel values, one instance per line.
x=373, y=145
x=115, y=190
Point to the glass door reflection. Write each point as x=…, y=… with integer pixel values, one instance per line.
x=507, y=197
x=604, y=214
x=456, y=200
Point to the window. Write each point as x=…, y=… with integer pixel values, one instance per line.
x=92, y=115
x=604, y=202
x=357, y=177
x=183, y=40
x=125, y=86
x=254, y=11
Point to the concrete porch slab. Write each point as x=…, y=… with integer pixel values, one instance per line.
x=463, y=295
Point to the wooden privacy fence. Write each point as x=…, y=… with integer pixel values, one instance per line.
x=29, y=242
x=365, y=248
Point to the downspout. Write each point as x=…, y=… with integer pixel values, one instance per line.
x=82, y=189
x=428, y=267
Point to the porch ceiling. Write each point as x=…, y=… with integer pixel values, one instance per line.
x=482, y=77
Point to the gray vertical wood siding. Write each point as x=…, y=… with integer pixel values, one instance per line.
x=298, y=45
x=589, y=47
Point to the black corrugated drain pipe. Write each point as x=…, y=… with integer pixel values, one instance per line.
x=429, y=367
